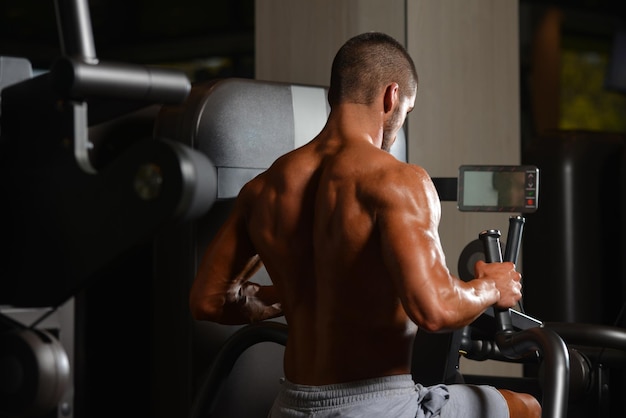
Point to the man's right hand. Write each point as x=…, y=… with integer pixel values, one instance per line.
x=506, y=279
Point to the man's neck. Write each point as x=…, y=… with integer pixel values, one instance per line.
x=352, y=121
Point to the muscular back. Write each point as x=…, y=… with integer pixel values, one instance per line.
x=313, y=220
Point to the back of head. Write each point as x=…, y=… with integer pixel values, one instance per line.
x=365, y=64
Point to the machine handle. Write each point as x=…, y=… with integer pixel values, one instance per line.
x=78, y=80
x=515, y=345
x=493, y=254
x=75, y=30
x=491, y=243
x=514, y=238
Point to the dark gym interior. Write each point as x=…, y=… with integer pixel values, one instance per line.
x=125, y=320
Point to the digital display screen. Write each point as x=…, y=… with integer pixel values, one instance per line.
x=501, y=188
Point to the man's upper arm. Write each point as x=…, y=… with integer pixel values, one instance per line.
x=408, y=226
x=228, y=261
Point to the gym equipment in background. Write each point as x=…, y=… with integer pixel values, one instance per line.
x=84, y=182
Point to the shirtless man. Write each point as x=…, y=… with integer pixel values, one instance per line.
x=349, y=237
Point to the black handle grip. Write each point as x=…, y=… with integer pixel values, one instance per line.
x=493, y=254
x=491, y=243
x=514, y=238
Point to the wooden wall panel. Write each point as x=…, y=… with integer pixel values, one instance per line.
x=467, y=107
x=296, y=40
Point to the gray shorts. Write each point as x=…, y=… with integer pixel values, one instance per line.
x=389, y=397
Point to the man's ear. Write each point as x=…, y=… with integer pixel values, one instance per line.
x=391, y=97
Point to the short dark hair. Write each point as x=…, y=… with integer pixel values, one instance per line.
x=367, y=62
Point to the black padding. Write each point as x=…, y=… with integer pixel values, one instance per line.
x=236, y=122
x=227, y=356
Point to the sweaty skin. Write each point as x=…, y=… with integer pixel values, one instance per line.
x=348, y=235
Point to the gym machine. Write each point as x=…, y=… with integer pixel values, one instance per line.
x=593, y=349
x=83, y=183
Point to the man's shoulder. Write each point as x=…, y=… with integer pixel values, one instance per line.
x=400, y=173
x=412, y=170
x=399, y=183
